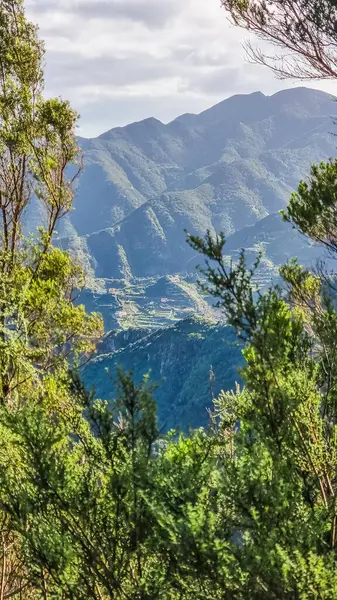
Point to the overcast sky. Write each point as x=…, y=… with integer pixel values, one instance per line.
x=119, y=61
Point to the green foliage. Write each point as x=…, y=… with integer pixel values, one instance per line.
x=103, y=509
x=42, y=332
x=78, y=498
x=39, y=325
x=283, y=452
x=179, y=359
x=312, y=209
x=94, y=502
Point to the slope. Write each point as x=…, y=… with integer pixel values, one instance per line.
x=224, y=169
x=179, y=359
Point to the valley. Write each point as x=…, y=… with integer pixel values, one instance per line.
x=149, y=302
x=231, y=168
x=168, y=309
x=179, y=360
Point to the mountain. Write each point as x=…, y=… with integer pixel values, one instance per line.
x=179, y=358
x=224, y=169
x=152, y=303
x=231, y=169
x=278, y=242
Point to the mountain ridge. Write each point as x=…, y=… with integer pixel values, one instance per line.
x=298, y=90
x=231, y=169
x=224, y=169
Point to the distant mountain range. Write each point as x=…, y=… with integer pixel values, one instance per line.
x=231, y=169
x=224, y=169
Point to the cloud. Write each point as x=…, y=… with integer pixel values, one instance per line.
x=220, y=80
x=123, y=60
x=151, y=13
x=100, y=113
x=72, y=70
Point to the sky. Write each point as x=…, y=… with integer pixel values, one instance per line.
x=120, y=61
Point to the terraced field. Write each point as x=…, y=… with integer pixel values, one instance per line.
x=150, y=304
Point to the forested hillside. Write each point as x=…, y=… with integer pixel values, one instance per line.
x=221, y=170
x=191, y=362
x=98, y=501
x=231, y=169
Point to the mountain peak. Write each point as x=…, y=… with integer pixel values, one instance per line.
x=310, y=101
x=300, y=92
x=243, y=107
x=222, y=170
x=148, y=122
x=148, y=125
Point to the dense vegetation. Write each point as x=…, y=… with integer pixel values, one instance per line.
x=190, y=362
x=94, y=503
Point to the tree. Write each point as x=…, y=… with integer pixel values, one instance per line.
x=92, y=505
x=107, y=510
x=74, y=488
x=41, y=330
x=279, y=444
x=279, y=433
x=305, y=31
x=39, y=324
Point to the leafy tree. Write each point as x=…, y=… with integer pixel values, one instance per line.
x=40, y=328
x=279, y=432
x=94, y=503
x=76, y=495
x=312, y=209
x=104, y=508
x=39, y=324
x=86, y=493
